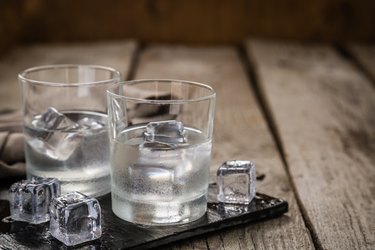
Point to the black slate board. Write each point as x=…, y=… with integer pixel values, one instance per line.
x=121, y=234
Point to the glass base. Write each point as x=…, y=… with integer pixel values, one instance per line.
x=159, y=213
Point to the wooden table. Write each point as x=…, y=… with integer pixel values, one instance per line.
x=304, y=113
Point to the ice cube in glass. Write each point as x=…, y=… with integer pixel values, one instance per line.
x=151, y=182
x=30, y=199
x=91, y=123
x=53, y=119
x=75, y=218
x=236, y=182
x=165, y=132
x=57, y=134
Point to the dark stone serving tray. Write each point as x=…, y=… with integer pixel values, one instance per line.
x=119, y=234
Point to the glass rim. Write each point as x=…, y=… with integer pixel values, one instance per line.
x=211, y=95
x=23, y=75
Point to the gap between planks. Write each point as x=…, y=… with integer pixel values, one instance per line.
x=355, y=55
x=362, y=57
x=324, y=110
x=267, y=114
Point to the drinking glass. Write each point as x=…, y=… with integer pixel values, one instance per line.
x=160, y=136
x=65, y=125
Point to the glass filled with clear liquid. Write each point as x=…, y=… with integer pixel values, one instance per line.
x=66, y=127
x=160, y=137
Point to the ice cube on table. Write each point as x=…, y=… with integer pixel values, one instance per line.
x=75, y=218
x=30, y=199
x=168, y=132
x=56, y=135
x=236, y=182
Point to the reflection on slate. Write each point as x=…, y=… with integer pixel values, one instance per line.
x=121, y=234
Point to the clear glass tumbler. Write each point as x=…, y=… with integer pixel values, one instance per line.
x=65, y=125
x=160, y=136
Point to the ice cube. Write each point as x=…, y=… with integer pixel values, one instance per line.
x=56, y=135
x=75, y=218
x=236, y=182
x=90, y=123
x=230, y=209
x=52, y=119
x=30, y=199
x=169, y=132
x=151, y=181
x=168, y=157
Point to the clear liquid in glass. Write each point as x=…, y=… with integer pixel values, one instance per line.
x=78, y=157
x=159, y=184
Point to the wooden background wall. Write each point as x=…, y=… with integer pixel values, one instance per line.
x=188, y=21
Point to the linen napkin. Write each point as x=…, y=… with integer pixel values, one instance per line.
x=12, y=156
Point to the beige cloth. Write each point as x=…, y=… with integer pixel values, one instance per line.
x=12, y=156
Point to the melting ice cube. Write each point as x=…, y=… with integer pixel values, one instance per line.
x=91, y=123
x=75, y=218
x=151, y=182
x=169, y=132
x=30, y=199
x=54, y=134
x=236, y=182
x=53, y=119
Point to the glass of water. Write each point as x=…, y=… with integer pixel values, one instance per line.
x=65, y=125
x=160, y=136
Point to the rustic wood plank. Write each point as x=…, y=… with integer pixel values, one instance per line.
x=323, y=109
x=365, y=55
x=240, y=133
x=114, y=54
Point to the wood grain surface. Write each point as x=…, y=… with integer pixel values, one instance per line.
x=323, y=110
x=113, y=54
x=240, y=133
